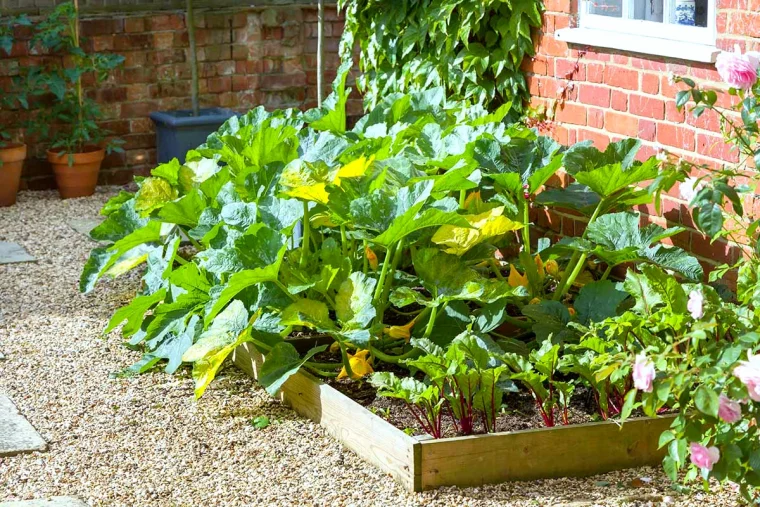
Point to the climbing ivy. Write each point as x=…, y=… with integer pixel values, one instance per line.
x=473, y=48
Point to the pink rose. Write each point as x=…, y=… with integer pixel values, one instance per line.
x=737, y=69
x=749, y=374
x=643, y=373
x=704, y=457
x=729, y=410
x=695, y=304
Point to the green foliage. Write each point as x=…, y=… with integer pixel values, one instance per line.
x=70, y=122
x=473, y=49
x=10, y=99
x=383, y=238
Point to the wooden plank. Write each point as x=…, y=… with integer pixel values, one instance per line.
x=578, y=450
x=372, y=438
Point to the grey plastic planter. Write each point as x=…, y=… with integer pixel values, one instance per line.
x=180, y=131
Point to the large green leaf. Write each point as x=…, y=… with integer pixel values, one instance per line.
x=309, y=313
x=184, y=211
x=153, y=194
x=213, y=346
x=646, y=297
x=610, y=179
x=332, y=115
x=412, y=221
x=353, y=303
x=282, y=362
x=133, y=313
x=597, y=301
x=585, y=157
x=667, y=288
x=242, y=280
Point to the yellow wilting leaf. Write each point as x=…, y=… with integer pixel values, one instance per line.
x=397, y=332
x=335, y=347
x=360, y=365
x=321, y=220
x=125, y=264
x=583, y=279
x=458, y=240
x=473, y=201
x=516, y=279
x=552, y=268
x=371, y=257
x=354, y=169
x=315, y=192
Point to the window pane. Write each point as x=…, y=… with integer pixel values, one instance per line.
x=648, y=10
x=611, y=8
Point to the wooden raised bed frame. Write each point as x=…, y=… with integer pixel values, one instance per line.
x=421, y=463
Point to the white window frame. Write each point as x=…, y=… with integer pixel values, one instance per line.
x=649, y=37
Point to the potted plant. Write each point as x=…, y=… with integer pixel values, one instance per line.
x=12, y=154
x=182, y=130
x=77, y=144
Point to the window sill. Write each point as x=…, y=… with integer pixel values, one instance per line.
x=639, y=44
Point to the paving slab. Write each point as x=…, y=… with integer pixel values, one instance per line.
x=13, y=252
x=17, y=435
x=84, y=225
x=55, y=501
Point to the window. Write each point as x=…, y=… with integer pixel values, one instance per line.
x=677, y=28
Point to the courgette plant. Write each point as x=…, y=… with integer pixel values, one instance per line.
x=403, y=219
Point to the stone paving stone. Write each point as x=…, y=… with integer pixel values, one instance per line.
x=17, y=435
x=55, y=501
x=13, y=252
x=85, y=224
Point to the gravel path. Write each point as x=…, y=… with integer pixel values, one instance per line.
x=145, y=441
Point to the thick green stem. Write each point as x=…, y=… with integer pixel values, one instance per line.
x=496, y=269
x=306, y=233
x=389, y=280
x=319, y=372
x=387, y=358
x=343, y=242
x=526, y=228
x=383, y=273
x=607, y=272
x=431, y=320
x=462, y=198
x=517, y=322
x=285, y=290
x=573, y=268
x=346, y=362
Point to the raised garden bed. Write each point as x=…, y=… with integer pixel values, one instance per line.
x=422, y=463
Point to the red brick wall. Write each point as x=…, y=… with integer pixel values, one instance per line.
x=246, y=57
x=613, y=94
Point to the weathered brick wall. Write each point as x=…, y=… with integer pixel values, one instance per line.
x=246, y=56
x=615, y=94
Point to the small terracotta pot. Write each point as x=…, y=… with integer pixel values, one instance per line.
x=81, y=177
x=12, y=161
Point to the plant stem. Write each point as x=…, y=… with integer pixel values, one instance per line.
x=80, y=93
x=383, y=274
x=518, y=322
x=606, y=272
x=285, y=290
x=387, y=358
x=389, y=280
x=431, y=320
x=496, y=269
x=365, y=266
x=526, y=229
x=574, y=267
x=190, y=22
x=306, y=232
x=462, y=198
x=180, y=260
x=319, y=372
x=346, y=362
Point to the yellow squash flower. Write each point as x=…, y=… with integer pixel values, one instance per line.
x=516, y=279
x=571, y=310
x=540, y=267
x=360, y=365
x=371, y=258
x=552, y=268
x=397, y=332
x=535, y=301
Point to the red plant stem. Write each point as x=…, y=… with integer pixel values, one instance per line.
x=427, y=428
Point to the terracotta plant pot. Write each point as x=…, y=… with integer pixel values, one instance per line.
x=12, y=161
x=81, y=177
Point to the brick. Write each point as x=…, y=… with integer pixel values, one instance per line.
x=535, y=65
x=619, y=100
x=132, y=41
x=137, y=109
x=595, y=117
x=647, y=130
x=595, y=95
x=650, y=83
x=745, y=23
x=672, y=113
x=569, y=69
x=134, y=24
x=166, y=22
x=620, y=123
x=675, y=136
x=557, y=6
x=571, y=113
x=600, y=141
x=649, y=107
x=622, y=78
x=101, y=26
x=595, y=72
x=715, y=147
x=220, y=84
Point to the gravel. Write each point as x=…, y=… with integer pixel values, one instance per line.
x=145, y=440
